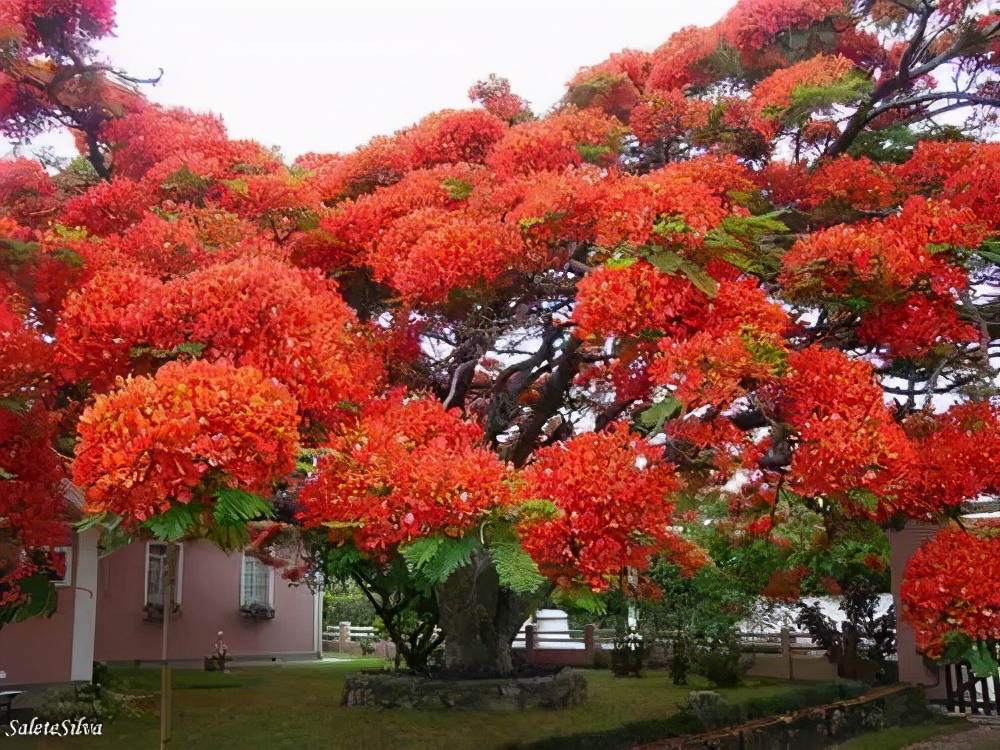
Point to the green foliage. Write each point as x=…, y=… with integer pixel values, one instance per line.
x=175, y=524
x=711, y=710
x=95, y=702
x=191, y=349
x=437, y=557
x=38, y=599
x=701, y=611
x=584, y=93
x=457, y=189
x=668, y=225
x=670, y=262
x=653, y=418
x=806, y=99
x=989, y=251
x=832, y=549
x=724, y=63
x=516, y=569
x=893, y=144
x=14, y=252
x=78, y=174
x=981, y=656
x=593, y=154
x=224, y=521
x=743, y=237
x=723, y=662
x=580, y=598
x=17, y=406
x=538, y=508
x=234, y=507
x=618, y=263
x=772, y=702
x=747, y=227
x=186, y=182
x=816, y=694
x=402, y=597
x=766, y=352
x=346, y=603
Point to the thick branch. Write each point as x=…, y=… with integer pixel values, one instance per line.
x=904, y=75
x=552, y=397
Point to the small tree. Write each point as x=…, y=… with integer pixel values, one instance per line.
x=179, y=456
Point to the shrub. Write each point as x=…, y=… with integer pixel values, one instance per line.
x=711, y=710
x=96, y=702
x=725, y=664
x=804, y=697
x=349, y=605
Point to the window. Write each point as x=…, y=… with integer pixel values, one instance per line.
x=156, y=573
x=257, y=583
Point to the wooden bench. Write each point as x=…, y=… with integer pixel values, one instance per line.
x=6, y=699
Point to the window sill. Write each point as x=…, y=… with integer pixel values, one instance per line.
x=257, y=612
x=154, y=612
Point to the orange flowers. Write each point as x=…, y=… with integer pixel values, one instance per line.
x=949, y=587
x=612, y=494
x=406, y=468
x=154, y=440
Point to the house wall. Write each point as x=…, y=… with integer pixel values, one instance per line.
x=911, y=664
x=210, y=600
x=41, y=650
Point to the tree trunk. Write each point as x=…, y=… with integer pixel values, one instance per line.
x=169, y=587
x=480, y=619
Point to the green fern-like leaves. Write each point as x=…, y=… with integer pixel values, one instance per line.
x=437, y=557
x=516, y=569
x=806, y=99
x=236, y=507
x=175, y=524
x=581, y=598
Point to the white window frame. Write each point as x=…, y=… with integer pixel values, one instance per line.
x=180, y=572
x=270, y=580
x=67, y=579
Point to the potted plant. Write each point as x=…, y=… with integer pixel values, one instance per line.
x=629, y=652
x=216, y=661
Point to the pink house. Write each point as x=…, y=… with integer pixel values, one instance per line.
x=58, y=648
x=213, y=588
x=912, y=667
x=110, y=609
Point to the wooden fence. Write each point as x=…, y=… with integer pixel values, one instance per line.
x=787, y=654
x=784, y=654
x=968, y=694
x=564, y=648
x=349, y=639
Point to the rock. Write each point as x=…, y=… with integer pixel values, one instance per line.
x=564, y=689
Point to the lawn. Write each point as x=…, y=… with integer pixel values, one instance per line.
x=298, y=706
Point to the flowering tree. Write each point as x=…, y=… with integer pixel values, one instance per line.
x=739, y=270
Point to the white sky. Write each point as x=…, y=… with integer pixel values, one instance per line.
x=320, y=75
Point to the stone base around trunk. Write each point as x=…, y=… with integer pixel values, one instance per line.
x=564, y=689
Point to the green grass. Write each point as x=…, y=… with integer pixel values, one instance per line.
x=298, y=706
x=897, y=738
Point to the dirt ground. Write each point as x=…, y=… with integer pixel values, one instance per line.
x=984, y=737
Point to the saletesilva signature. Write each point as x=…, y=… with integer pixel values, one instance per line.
x=66, y=728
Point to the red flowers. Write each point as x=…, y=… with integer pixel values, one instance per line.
x=150, y=443
x=406, y=468
x=949, y=586
x=612, y=493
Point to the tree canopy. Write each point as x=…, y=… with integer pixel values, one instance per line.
x=751, y=275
